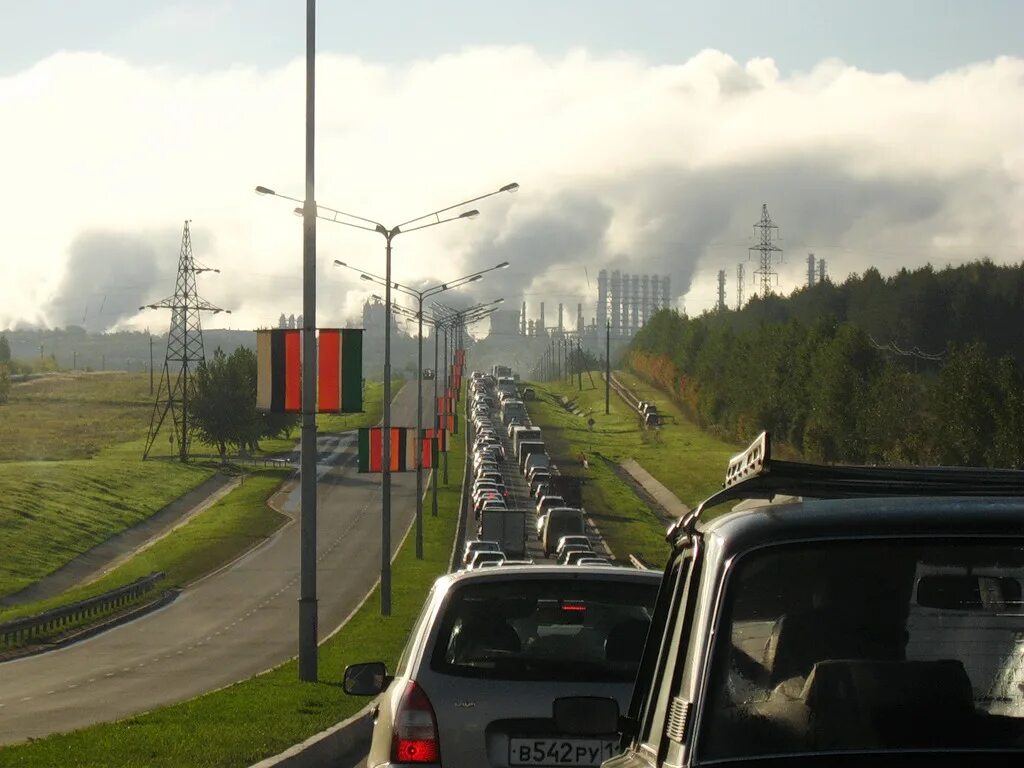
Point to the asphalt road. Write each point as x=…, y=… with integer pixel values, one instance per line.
x=230, y=626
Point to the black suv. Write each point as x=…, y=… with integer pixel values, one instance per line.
x=838, y=615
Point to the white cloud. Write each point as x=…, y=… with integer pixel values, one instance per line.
x=665, y=164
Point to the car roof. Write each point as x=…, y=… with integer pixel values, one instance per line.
x=860, y=518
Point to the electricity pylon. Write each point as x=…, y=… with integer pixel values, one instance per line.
x=766, y=248
x=184, y=349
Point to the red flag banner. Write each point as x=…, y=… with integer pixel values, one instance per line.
x=279, y=371
x=340, y=370
x=371, y=449
x=438, y=435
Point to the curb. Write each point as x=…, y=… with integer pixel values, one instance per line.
x=330, y=747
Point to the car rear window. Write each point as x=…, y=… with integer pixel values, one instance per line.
x=870, y=645
x=552, y=629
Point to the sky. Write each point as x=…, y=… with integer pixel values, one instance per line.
x=645, y=137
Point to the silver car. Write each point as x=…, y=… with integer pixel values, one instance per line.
x=491, y=652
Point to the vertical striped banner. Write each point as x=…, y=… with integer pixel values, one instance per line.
x=279, y=371
x=340, y=370
x=371, y=449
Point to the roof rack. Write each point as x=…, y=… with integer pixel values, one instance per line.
x=755, y=474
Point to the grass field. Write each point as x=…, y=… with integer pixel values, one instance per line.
x=246, y=722
x=686, y=460
x=86, y=481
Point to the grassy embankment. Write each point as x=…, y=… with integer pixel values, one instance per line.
x=683, y=458
x=241, y=724
x=86, y=482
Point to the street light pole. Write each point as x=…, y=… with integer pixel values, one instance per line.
x=307, y=444
x=607, y=367
x=385, y=479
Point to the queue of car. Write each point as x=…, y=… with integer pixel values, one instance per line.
x=503, y=638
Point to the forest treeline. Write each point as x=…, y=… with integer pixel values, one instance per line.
x=920, y=368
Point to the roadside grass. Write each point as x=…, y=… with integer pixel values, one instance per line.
x=232, y=525
x=246, y=722
x=86, y=434
x=51, y=512
x=73, y=415
x=686, y=460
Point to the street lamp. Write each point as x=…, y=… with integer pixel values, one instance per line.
x=359, y=222
x=420, y=296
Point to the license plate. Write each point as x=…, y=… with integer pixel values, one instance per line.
x=554, y=752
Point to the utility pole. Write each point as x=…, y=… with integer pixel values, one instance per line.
x=579, y=365
x=739, y=287
x=150, y=361
x=184, y=347
x=607, y=367
x=766, y=229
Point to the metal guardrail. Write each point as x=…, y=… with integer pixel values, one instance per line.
x=20, y=631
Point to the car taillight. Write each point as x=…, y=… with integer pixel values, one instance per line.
x=414, y=739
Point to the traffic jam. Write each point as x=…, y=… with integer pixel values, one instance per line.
x=534, y=615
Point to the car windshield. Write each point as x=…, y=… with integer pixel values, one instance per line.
x=869, y=646
x=553, y=629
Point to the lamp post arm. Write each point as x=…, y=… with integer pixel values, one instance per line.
x=507, y=188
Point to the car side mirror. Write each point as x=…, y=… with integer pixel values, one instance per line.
x=367, y=679
x=586, y=715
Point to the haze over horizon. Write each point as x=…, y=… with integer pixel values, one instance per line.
x=647, y=159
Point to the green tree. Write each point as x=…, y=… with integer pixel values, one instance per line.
x=224, y=405
x=966, y=401
x=5, y=382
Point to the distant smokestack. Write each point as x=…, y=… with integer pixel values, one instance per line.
x=645, y=298
x=602, y=299
x=616, y=293
x=561, y=327
x=579, y=319
x=634, y=302
x=541, y=331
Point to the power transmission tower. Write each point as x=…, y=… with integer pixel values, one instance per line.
x=766, y=248
x=810, y=270
x=739, y=287
x=184, y=348
x=721, y=291
x=822, y=271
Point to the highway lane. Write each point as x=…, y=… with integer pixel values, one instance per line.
x=227, y=627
